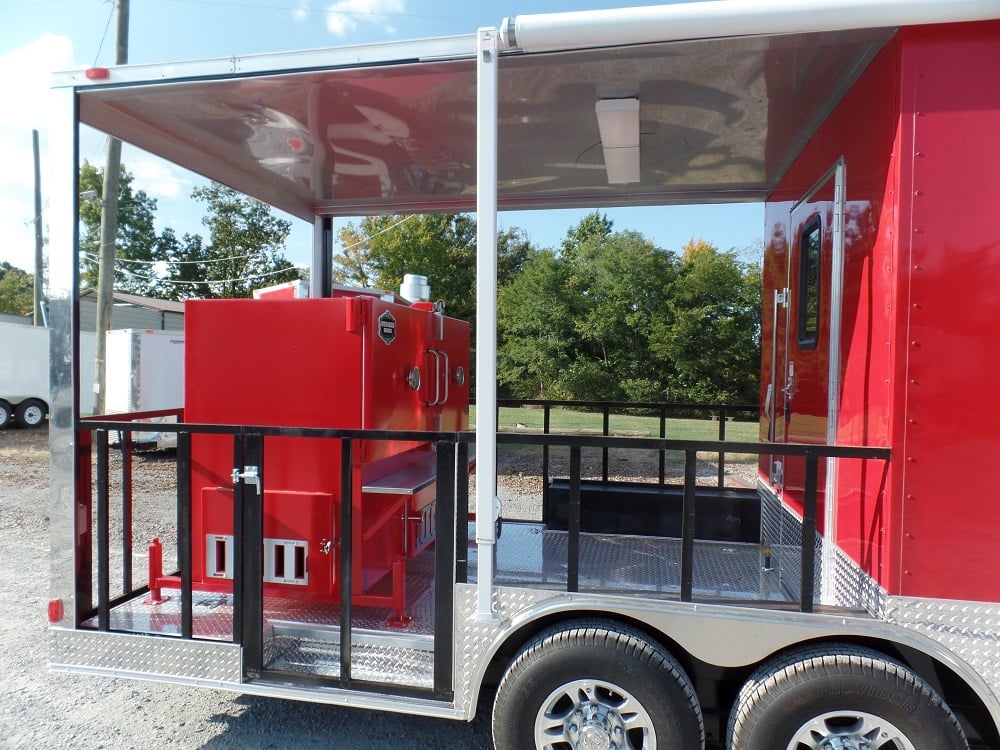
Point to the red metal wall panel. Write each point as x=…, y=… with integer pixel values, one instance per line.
x=949, y=311
x=919, y=135
x=862, y=130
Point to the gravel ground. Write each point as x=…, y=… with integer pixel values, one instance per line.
x=39, y=708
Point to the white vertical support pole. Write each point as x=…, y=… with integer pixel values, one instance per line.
x=487, y=503
x=828, y=576
x=321, y=250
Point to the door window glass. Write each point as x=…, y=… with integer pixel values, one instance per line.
x=810, y=242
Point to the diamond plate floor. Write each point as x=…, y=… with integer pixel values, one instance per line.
x=304, y=636
x=529, y=555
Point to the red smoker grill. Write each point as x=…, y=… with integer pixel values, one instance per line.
x=353, y=361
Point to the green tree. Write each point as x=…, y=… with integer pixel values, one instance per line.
x=244, y=250
x=575, y=324
x=535, y=326
x=441, y=247
x=17, y=295
x=710, y=337
x=183, y=266
x=514, y=250
x=617, y=285
x=136, y=243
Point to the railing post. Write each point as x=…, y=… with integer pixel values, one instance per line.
x=239, y=543
x=251, y=587
x=604, y=451
x=346, y=554
x=444, y=559
x=462, y=514
x=546, y=421
x=126, y=447
x=809, y=502
x=184, y=531
x=103, y=534
x=688, y=525
x=663, y=452
x=573, y=522
x=722, y=439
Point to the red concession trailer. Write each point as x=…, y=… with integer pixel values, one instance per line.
x=864, y=614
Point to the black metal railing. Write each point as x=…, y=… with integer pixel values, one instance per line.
x=691, y=450
x=451, y=559
x=722, y=413
x=247, y=618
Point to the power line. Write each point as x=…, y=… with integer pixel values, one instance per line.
x=174, y=282
x=174, y=262
x=364, y=240
x=105, y=35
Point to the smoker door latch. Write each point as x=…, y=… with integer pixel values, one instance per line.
x=249, y=475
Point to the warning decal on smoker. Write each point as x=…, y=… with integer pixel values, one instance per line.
x=387, y=327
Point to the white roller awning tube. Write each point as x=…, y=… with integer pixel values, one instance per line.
x=546, y=32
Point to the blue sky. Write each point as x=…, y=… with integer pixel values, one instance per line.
x=39, y=36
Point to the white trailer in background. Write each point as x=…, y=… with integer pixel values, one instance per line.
x=24, y=374
x=145, y=373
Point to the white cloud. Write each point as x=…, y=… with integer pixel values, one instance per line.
x=344, y=16
x=25, y=109
x=158, y=178
x=301, y=11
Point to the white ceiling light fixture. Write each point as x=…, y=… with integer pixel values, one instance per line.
x=618, y=121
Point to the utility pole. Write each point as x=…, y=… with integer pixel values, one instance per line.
x=38, y=315
x=109, y=226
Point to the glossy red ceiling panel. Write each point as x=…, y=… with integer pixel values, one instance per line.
x=720, y=120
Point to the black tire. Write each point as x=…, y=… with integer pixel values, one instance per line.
x=31, y=412
x=841, y=696
x=596, y=682
x=6, y=414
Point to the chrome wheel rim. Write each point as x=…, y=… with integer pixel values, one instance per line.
x=593, y=715
x=849, y=730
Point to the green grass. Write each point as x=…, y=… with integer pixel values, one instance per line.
x=565, y=420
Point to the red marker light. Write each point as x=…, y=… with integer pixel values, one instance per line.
x=97, y=74
x=56, y=610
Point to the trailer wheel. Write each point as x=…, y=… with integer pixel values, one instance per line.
x=595, y=685
x=31, y=412
x=846, y=697
x=6, y=413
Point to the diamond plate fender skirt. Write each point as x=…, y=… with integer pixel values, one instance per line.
x=725, y=636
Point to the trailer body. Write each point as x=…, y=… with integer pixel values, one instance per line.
x=862, y=612
x=914, y=351
x=24, y=374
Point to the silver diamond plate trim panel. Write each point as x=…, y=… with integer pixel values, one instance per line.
x=852, y=587
x=856, y=589
x=474, y=638
x=146, y=656
x=971, y=630
x=369, y=661
x=782, y=529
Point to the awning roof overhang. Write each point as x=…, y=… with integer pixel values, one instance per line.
x=392, y=128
